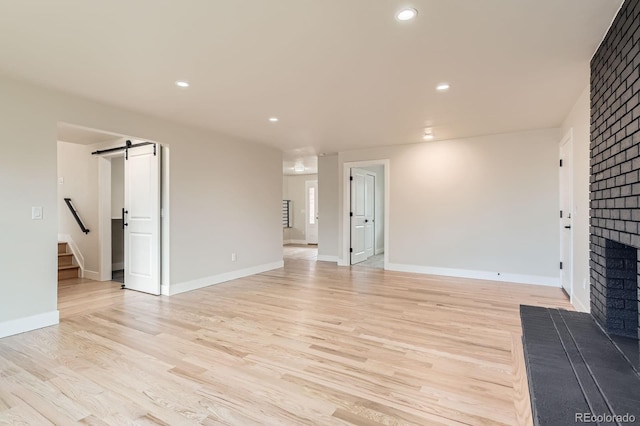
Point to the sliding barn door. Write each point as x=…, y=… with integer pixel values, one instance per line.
x=142, y=232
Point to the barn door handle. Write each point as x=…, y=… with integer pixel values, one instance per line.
x=124, y=212
x=568, y=227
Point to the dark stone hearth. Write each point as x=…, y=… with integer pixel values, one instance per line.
x=574, y=367
x=615, y=175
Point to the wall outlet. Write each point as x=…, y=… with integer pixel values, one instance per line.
x=234, y=257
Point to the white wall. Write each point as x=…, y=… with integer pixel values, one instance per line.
x=225, y=197
x=293, y=188
x=579, y=120
x=378, y=171
x=478, y=206
x=328, y=214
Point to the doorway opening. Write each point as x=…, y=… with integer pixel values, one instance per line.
x=120, y=189
x=300, y=206
x=366, y=214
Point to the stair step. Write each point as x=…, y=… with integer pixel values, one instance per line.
x=62, y=248
x=67, y=272
x=65, y=259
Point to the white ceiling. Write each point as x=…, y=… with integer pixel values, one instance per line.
x=338, y=74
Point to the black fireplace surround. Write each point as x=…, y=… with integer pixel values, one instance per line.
x=615, y=175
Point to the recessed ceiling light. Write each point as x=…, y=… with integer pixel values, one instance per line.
x=428, y=137
x=273, y=119
x=181, y=83
x=406, y=14
x=443, y=87
x=299, y=168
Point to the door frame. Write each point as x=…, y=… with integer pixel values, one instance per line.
x=567, y=141
x=104, y=216
x=345, y=256
x=307, y=184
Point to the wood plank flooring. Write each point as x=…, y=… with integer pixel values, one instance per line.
x=307, y=344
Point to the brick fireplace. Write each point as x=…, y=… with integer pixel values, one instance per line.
x=615, y=175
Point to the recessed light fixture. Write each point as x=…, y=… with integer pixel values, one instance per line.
x=299, y=168
x=273, y=119
x=406, y=14
x=443, y=87
x=428, y=134
x=182, y=83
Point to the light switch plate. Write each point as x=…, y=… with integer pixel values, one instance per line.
x=36, y=213
x=61, y=181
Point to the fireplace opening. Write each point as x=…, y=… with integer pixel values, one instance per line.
x=616, y=292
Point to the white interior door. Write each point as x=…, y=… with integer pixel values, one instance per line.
x=311, y=211
x=369, y=215
x=142, y=233
x=566, y=212
x=358, y=253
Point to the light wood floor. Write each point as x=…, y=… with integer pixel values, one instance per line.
x=308, y=344
x=300, y=251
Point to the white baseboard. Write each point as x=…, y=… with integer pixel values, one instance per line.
x=579, y=306
x=285, y=242
x=21, y=325
x=117, y=266
x=217, y=279
x=379, y=250
x=478, y=275
x=325, y=258
x=91, y=275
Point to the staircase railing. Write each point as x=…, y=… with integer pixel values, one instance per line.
x=74, y=212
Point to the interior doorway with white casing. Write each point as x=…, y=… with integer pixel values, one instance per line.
x=566, y=213
x=121, y=190
x=367, y=215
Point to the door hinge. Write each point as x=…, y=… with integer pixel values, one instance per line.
x=351, y=214
x=560, y=214
x=560, y=162
x=560, y=265
x=350, y=250
x=350, y=177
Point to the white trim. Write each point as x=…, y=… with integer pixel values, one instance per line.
x=21, y=325
x=567, y=140
x=117, y=266
x=104, y=215
x=325, y=258
x=217, y=279
x=75, y=250
x=379, y=250
x=579, y=306
x=344, y=255
x=92, y=275
x=285, y=242
x=165, y=234
x=478, y=275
